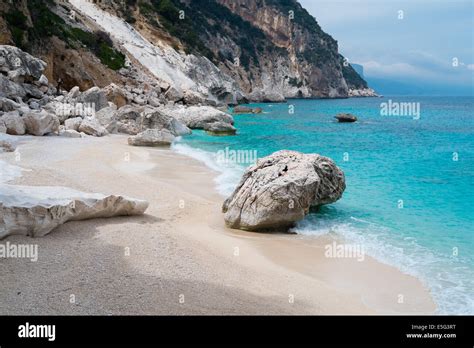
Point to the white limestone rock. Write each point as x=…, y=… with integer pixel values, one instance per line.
x=73, y=123
x=197, y=117
x=152, y=137
x=41, y=123
x=14, y=123
x=91, y=126
x=37, y=210
x=280, y=189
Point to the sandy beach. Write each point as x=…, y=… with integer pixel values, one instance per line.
x=178, y=258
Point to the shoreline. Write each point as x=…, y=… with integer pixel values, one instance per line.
x=180, y=249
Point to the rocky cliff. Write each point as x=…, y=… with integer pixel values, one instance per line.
x=209, y=51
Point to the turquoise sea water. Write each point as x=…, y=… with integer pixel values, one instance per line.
x=410, y=182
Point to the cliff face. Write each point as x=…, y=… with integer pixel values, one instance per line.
x=274, y=49
x=75, y=53
x=222, y=50
x=306, y=64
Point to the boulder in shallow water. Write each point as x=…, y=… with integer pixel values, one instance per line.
x=240, y=109
x=152, y=137
x=37, y=210
x=345, y=118
x=220, y=128
x=279, y=190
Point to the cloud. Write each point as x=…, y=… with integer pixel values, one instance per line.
x=331, y=12
x=420, y=48
x=461, y=74
x=377, y=69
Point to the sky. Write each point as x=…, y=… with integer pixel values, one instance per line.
x=405, y=46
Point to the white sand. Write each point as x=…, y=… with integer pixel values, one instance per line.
x=179, y=258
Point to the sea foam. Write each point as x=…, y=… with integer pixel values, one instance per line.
x=229, y=174
x=451, y=291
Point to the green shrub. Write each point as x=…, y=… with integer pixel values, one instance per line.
x=113, y=59
x=16, y=19
x=17, y=23
x=101, y=45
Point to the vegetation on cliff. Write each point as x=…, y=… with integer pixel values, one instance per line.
x=46, y=24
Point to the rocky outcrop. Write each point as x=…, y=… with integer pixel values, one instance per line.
x=20, y=66
x=345, y=118
x=152, y=137
x=11, y=90
x=36, y=210
x=25, y=95
x=259, y=53
x=280, y=189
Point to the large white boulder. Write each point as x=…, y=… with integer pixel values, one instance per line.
x=71, y=133
x=14, y=123
x=41, y=123
x=197, y=117
x=128, y=119
x=92, y=126
x=152, y=137
x=154, y=118
x=280, y=189
x=94, y=96
x=73, y=123
x=220, y=128
x=107, y=118
x=37, y=210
